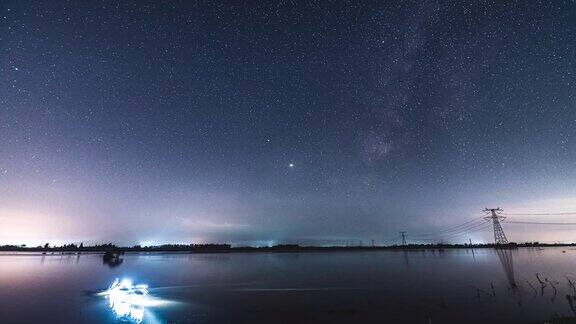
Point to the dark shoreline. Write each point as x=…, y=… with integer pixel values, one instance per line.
x=226, y=248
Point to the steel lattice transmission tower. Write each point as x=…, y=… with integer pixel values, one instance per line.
x=403, y=236
x=494, y=215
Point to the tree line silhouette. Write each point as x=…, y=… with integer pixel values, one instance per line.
x=224, y=247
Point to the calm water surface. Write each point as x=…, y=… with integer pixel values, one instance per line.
x=374, y=286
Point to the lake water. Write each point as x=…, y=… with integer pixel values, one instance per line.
x=428, y=286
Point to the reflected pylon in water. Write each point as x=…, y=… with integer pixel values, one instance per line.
x=505, y=256
x=406, y=261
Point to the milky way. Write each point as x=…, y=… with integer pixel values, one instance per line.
x=266, y=122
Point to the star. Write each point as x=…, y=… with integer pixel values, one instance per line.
x=291, y=165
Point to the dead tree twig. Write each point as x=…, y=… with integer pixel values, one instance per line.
x=493, y=291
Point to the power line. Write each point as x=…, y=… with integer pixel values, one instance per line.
x=539, y=214
x=422, y=239
x=453, y=228
x=473, y=230
x=475, y=225
x=485, y=227
x=470, y=231
x=540, y=223
x=461, y=229
x=482, y=223
x=466, y=230
x=455, y=234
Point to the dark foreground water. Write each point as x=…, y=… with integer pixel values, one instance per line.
x=382, y=286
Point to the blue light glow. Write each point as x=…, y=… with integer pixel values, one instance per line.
x=128, y=301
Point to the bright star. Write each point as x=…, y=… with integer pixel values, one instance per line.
x=291, y=165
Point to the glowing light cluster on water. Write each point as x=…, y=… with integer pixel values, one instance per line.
x=128, y=301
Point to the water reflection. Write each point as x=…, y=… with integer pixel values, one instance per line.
x=113, y=262
x=112, y=258
x=394, y=286
x=406, y=261
x=130, y=303
x=126, y=300
x=505, y=256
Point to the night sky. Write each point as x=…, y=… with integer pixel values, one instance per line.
x=265, y=122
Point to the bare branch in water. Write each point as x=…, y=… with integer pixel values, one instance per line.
x=531, y=286
x=493, y=291
x=542, y=283
x=554, y=287
x=571, y=285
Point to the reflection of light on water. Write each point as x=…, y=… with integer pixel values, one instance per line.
x=128, y=301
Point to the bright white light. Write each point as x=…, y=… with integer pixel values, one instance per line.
x=128, y=301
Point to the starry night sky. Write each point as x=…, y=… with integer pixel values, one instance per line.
x=264, y=122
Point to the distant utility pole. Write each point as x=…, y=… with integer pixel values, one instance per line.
x=494, y=215
x=403, y=236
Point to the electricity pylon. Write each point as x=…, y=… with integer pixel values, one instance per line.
x=494, y=215
x=403, y=235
